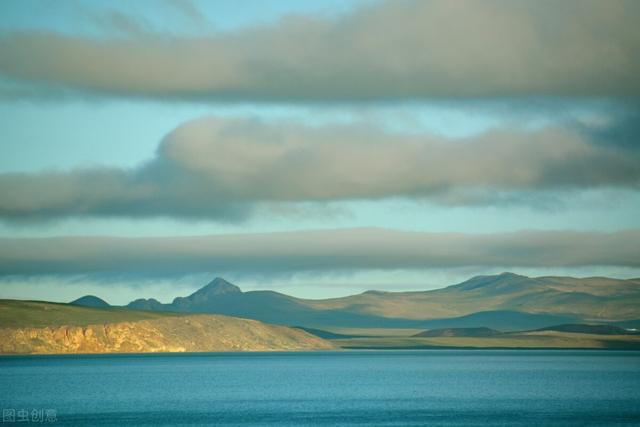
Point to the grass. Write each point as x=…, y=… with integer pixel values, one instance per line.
x=19, y=314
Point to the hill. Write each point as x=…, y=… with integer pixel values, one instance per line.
x=595, y=299
x=19, y=314
x=61, y=328
x=90, y=301
x=220, y=297
x=505, y=302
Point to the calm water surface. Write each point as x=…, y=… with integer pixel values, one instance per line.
x=358, y=388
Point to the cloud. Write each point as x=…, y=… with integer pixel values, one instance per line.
x=224, y=169
x=393, y=50
x=306, y=251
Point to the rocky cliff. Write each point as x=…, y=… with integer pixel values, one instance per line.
x=169, y=334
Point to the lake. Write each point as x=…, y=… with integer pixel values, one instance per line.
x=342, y=388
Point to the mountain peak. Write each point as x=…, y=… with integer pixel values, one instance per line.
x=217, y=286
x=207, y=294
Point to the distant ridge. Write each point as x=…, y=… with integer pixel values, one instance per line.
x=500, y=283
x=505, y=302
x=90, y=301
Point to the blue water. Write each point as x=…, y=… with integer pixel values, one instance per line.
x=358, y=388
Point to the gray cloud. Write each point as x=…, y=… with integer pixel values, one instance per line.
x=224, y=169
x=314, y=251
x=403, y=49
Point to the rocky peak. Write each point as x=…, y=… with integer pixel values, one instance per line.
x=216, y=288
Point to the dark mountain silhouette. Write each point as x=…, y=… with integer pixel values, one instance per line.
x=90, y=301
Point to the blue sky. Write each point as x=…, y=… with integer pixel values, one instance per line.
x=57, y=124
x=167, y=15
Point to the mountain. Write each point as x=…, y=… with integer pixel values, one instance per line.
x=40, y=314
x=459, y=332
x=505, y=302
x=40, y=327
x=200, y=300
x=90, y=301
x=266, y=306
x=595, y=299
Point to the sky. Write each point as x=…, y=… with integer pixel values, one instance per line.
x=317, y=148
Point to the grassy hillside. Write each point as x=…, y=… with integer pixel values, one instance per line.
x=15, y=313
x=598, y=299
x=38, y=327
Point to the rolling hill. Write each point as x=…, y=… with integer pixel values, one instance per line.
x=90, y=301
x=504, y=302
x=596, y=298
x=28, y=327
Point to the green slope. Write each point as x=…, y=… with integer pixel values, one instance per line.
x=15, y=314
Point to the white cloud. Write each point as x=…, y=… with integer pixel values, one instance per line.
x=223, y=169
x=403, y=49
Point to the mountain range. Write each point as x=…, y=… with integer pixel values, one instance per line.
x=504, y=302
